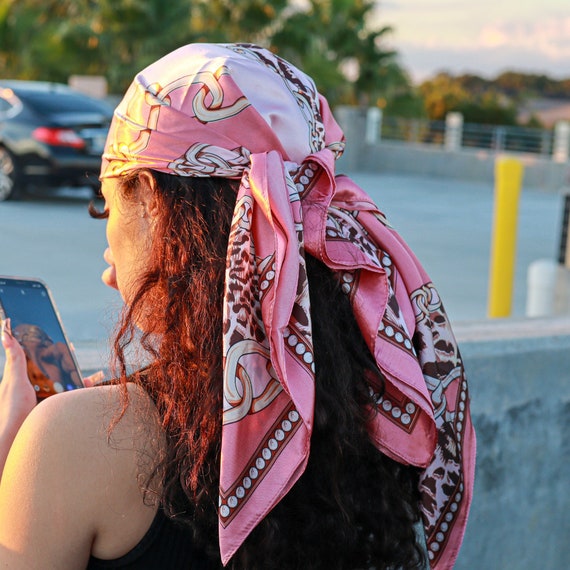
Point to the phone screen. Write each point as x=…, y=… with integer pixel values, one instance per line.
x=52, y=367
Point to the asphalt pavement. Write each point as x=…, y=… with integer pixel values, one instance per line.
x=447, y=223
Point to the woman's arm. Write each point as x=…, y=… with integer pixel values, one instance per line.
x=68, y=489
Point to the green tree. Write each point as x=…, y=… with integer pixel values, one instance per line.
x=252, y=21
x=334, y=41
x=476, y=99
x=134, y=33
x=442, y=94
x=53, y=39
x=41, y=39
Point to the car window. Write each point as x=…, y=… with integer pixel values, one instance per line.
x=4, y=106
x=9, y=106
x=53, y=103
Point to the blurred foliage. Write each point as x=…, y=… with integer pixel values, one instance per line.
x=53, y=39
x=331, y=40
x=334, y=41
x=337, y=42
x=479, y=100
x=237, y=20
x=524, y=85
x=491, y=101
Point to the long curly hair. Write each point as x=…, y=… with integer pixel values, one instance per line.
x=353, y=508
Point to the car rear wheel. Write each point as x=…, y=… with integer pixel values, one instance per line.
x=9, y=176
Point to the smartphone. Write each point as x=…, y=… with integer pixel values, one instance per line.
x=52, y=366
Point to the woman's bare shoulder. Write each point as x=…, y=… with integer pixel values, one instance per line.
x=83, y=453
x=100, y=404
x=102, y=414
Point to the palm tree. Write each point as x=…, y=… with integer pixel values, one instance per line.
x=334, y=41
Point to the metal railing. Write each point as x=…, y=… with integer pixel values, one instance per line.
x=490, y=137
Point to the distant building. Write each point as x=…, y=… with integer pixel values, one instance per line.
x=93, y=85
x=547, y=111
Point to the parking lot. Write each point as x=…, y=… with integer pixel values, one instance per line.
x=53, y=238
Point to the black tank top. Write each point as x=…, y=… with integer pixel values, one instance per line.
x=165, y=546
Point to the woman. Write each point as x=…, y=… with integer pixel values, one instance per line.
x=302, y=402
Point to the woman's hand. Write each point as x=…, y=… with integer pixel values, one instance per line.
x=17, y=395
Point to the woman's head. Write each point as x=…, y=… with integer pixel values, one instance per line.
x=205, y=109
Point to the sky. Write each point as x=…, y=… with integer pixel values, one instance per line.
x=484, y=37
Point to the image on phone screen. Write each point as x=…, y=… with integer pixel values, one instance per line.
x=35, y=323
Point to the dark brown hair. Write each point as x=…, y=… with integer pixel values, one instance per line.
x=353, y=507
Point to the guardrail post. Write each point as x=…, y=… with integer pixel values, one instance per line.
x=414, y=131
x=352, y=120
x=373, y=125
x=561, y=146
x=564, y=246
x=545, y=140
x=541, y=285
x=499, y=136
x=94, y=85
x=508, y=183
x=453, y=131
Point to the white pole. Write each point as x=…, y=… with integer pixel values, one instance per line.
x=542, y=276
x=453, y=131
x=561, y=147
x=373, y=119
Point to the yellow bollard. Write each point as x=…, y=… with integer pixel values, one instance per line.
x=508, y=183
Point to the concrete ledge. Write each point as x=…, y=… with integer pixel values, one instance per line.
x=509, y=329
x=466, y=164
x=92, y=356
x=519, y=372
x=476, y=338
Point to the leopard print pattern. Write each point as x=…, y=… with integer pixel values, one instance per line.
x=442, y=484
x=251, y=384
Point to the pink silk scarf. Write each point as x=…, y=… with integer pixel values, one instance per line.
x=239, y=111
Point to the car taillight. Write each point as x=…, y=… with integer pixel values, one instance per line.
x=58, y=137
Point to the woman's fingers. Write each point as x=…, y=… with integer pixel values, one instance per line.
x=17, y=395
x=15, y=356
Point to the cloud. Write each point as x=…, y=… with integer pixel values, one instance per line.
x=493, y=36
x=489, y=62
x=539, y=46
x=549, y=37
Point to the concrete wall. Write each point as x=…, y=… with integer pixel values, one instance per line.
x=519, y=374
x=433, y=160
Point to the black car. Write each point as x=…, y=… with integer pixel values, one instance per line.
x=50, y=135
